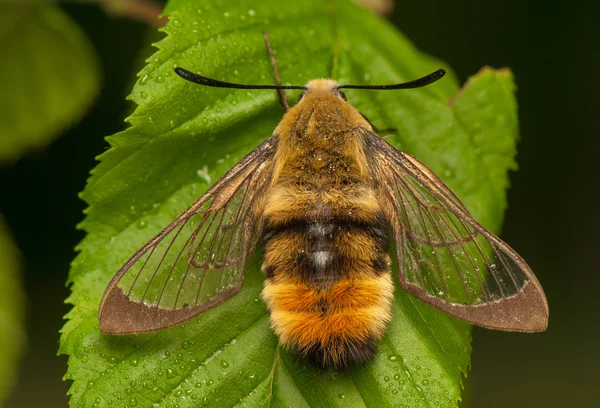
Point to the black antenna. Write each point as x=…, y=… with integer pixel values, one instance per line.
x=199, y=79
x=417, y=83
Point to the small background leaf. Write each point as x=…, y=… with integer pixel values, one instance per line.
x=183, y=137
x=49, y=76
x=12, y=305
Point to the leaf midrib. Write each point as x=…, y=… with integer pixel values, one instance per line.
x=244, y=27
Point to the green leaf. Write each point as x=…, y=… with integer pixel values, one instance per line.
x=49, y=76
x=12, y=305
x=183, y=137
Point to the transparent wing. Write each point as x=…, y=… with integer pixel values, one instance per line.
x=198, y=261
x=445, y=257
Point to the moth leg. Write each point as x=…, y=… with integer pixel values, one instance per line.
x=377, y=130
x=280, y=92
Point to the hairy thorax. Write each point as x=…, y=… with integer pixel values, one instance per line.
x=325, y=240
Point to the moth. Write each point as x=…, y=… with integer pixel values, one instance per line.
x=324, y=196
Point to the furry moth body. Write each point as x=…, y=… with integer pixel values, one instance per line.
x=323, y=196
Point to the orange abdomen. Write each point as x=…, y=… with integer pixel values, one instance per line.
x=328, y=284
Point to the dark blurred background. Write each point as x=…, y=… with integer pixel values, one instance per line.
x=552, y=219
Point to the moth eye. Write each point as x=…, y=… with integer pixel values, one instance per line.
x=341, y=94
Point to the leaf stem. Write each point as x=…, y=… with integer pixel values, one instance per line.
x=146, y=11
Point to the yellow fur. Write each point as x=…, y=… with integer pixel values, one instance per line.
x=321, y=183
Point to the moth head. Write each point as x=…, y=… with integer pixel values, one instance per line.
x=316, y=86
x=322, y=86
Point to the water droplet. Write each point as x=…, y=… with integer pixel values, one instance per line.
x=142, y=224
x=186, y=344
x=112, y=360
x=396, y=376
x=172, y=124
x=393, y=357
x=171, y=373
x=144, y=79
x=224, y=364
x=425, y=382
x=386, y=378
x=160, y=79
x=132, y=402
x=177, y=23
x=90, y=384
x=133, y=362
x=84, y=359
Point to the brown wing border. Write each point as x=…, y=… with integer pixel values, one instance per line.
x=525, y=311
x=120, y=315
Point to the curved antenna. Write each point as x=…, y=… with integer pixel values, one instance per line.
x=199, y=79
x=202, y=80
x=416, y=83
